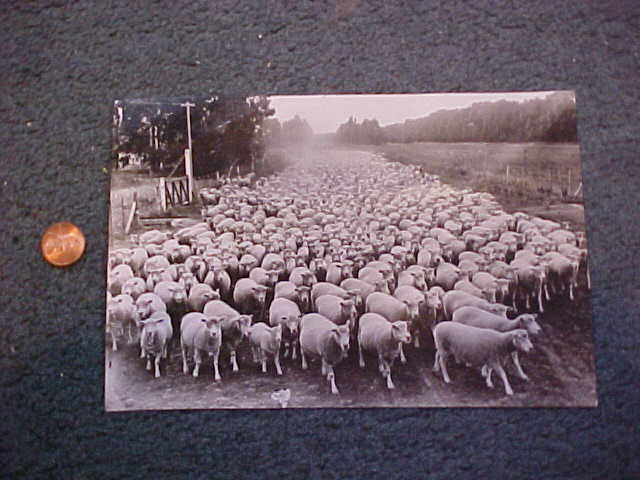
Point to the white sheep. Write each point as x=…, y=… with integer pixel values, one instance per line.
x=477, y=347
x=377, y=334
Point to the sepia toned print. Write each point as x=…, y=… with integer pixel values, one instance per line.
x=348, y=251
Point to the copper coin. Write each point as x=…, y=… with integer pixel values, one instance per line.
x=62, y=244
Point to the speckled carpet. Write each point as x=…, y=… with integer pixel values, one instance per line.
x=63, y=64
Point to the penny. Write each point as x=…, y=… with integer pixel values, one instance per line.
x=62, y=244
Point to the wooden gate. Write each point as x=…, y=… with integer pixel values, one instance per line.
x=174, y=191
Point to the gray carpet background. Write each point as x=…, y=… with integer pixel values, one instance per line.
x=63, y=64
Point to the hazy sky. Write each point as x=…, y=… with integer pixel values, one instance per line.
x=326, y=112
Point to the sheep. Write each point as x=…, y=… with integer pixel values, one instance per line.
x=477, y=347
x=302, y=276
x=412, y=278
x=117, y=278
x=363, y=290
x=235, y=327
x=286, y=313
x=154, y=263
x=447, y=275
x=415, y=300
x=562, y=272
x=455, y=299
x=121, y=313
x=199, y=295
x=376, y=334
x=219, y=279
x=249, y=297
x=265, y=342
x=134, y=287
x=530, y=282
x=326, y=288
x=479, y=318
x=394, y=310
x=155, y=337
x=268, y=278
x=322, y=338
x=339, y=310
x=174, y=296
x=470, y=288
x=201, y=335
x=301, y=295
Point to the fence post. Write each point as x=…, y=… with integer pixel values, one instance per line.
x=163, y=194
x=124, y=215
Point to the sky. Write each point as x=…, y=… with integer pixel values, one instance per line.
x=325, y=113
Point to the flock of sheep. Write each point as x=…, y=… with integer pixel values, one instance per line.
x=328, y=258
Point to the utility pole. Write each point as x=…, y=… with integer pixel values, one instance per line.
x=188, y=155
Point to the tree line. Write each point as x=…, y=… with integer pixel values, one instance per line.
x=548, y=119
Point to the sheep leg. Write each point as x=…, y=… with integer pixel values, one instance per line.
x=516, y=362
x=416, y=339
x=331, y=377
x=130, y=330
x=540, y=299
x=588, y=278
x=436, y=363
x=148, y=362
x=304, y=360
x=294, y=347
x=185, y=367
x=263, y=361
x=114, y=345
x=158, y=357
x=197, y=360
x=488, y=371
x=505, y=380
x=387, y=373
x=276, y=361
x=216, y=372
x=403, y=359
x=571, y=290
x=360, y=356
x=323, y=367
x=234, y=361
x=443, y=368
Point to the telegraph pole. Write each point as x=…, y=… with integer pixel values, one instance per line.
x=187, y=155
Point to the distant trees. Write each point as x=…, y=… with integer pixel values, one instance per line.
x=367, y=132
x=290, y=132
x=550, y=119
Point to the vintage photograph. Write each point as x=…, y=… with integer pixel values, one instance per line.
x=405, y=250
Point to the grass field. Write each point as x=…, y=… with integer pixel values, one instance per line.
x=526, y=174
